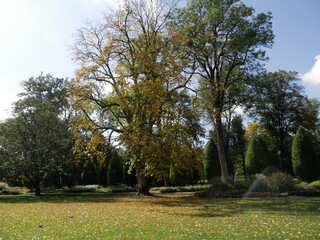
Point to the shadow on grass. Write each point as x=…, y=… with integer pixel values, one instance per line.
x=210, y=207
x=186, y=205
x=65, y=198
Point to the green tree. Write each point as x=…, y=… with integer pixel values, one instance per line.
x=304, y=157
x=37, y=139
x=115, y=169
x=257, y=156
x=278, y=105
x=238, y=143
x=211, y=160
x=225, y=39
x=308, y=114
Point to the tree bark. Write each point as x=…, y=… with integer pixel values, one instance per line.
x=221, y=149
x=143, y=188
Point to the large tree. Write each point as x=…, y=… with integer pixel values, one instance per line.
x=129, y=76
x=225, y=38
x=279, y=105
x=37, y=138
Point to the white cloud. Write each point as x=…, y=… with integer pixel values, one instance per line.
x=313, y=75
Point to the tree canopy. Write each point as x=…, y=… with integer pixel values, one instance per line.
x=225, y=39
x=37, y=139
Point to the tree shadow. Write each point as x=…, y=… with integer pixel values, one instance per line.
x=184, y=204
x=226, y=207
x=67, y=198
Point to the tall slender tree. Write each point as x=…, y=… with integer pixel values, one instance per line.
x=225, y=38
x=304, y=155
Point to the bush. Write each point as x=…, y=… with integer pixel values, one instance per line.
x=280, y=182
x=241, y=185
x=259, y=184
x=117, y=189
x=4, y=187
x=217, y=184
x=315, y=184
x=80, y=189
x=189, y=188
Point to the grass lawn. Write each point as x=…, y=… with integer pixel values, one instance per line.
x=165, y=216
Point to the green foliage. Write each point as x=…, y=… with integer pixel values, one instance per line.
x=115, y=169
x=237, y=145
x=257, y=156
x=80, y=189
x=315, y=184
x=225, y=39
x=211, y=160
x=188, y=188
x=281, y=182
x=36, y=141
x=117, y=189
x=277, y=101
x=304, y=157
x=177, y=178
x=218, y=184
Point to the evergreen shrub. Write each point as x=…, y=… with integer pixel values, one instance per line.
x=211, y=161
x=315, y=184
x=304, y=157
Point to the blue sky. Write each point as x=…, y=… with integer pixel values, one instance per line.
x=36, y=36
x=296, y=26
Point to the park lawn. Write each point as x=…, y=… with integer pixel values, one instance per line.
x=163, y=216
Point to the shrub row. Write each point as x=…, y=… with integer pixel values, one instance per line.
x=189, y=188
x=97, y=189
x=6, y=190
x=277, y=184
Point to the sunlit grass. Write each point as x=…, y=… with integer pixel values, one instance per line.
x=167, y=216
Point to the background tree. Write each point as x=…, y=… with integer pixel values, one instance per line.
x=308, y=114
x=304, y=156
x=278, y=103
x=37, y=138
x=237, y=144
x=132, y=55
x=92, y=151
x=115, y=169
x=211, y=160
x=257, y=156
x=225, y=38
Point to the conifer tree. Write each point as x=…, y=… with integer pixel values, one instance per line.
x=211, y=161
x=304, y=157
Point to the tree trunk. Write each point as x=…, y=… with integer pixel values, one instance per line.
x=143, y=188
x=37, y=189
x=243, y=158
x=166, y=180
x=221, y=149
